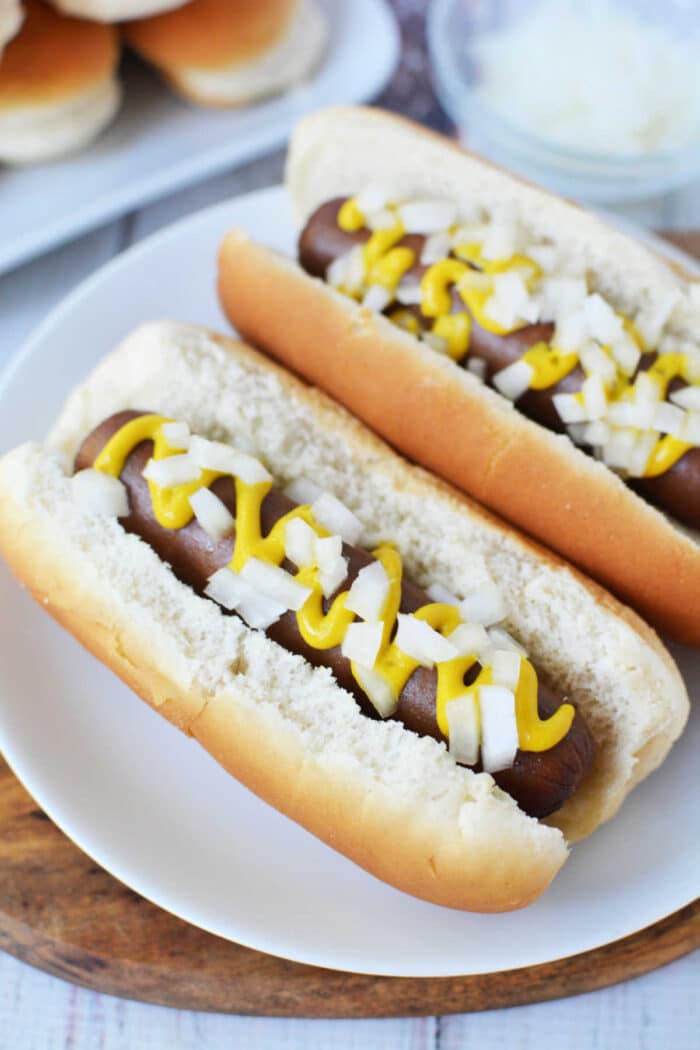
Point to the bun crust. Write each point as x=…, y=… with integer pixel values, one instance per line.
x=393, y=802
x=54, y=59
x=437, y=412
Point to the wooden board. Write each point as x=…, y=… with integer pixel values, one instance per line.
x=62, y=913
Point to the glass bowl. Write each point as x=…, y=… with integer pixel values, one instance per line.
x=456, y=32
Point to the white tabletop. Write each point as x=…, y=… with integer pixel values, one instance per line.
x=38, y=1012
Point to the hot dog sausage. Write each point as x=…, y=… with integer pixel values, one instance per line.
x=540, y=782
x=676, y=491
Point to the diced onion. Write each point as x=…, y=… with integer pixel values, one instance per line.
x=177, y=435
x=333, y=575
x=369, y=592
x=228, y=589
x=651, y=320
x=619, y=448
x=477, y=366
x=669, y=419
x=299, y=542
x=275, y=583
x=571, y=331
x=603, y=323
x=173, y=470
x=463, y=722
x=561, y=297
x=626, y=353
x=577, y=432
x=505, y=668
x=303, y=491
x=214, y=455
x=376, y=298
x=691, y=429
x=499, y=728
x=471, y=639
x=361, y=643
x=418, y=639
x=484, y=605
x=570, y=408
x=500, y=639
x=641, y=450
x=383, y=219
x=378, y=691
x=427, y=216
x=435, y=342
x=595, y=361
x=212, y=514
x=647, y=391
x=596, y=433
x=347, y=271
x=436, y=247
x=501, y=240
x=595, y=400
x=99, y=493
x=336, y=517
x=327, y=550
x=545, y=255
x=688, y=397
x=441, y=594
x=514, y=380
x=409, y=294
x=629, y=414
x=372, y=198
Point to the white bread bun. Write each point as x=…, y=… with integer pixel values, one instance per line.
x=58, y=85
x=436, y=411
x=219, y=53
x=394, y=802
x=114, y=10
x=11, y=18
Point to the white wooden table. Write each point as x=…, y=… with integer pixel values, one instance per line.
x=38, y=1012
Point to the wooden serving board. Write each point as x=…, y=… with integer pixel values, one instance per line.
x=60, y=912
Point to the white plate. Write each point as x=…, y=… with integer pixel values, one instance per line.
x=157, y=812
x=159, y=143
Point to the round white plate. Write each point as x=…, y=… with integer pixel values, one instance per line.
x=158, y=813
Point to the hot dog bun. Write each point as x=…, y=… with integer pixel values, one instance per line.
x=58, y=85
x=394, y=802
x=114, y=10
x=224, y=53
x=436, y=411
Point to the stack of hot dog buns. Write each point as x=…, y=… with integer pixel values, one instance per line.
x=58, y=85
x=224, y=53
x=58, y=60
x=508, y=340
x=433, y=695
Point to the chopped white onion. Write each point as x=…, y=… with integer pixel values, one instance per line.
x=369, y=592
x=626, y=353
x=302, y=491
x=409, y=294
x=595, y=361
x=603, y=323
x=419, y=640
x=333, y=575
x=596, y=433
x=691, y=429
x=545, y=255
x=669, y=419
x=577, y=432
x=499, y=728
x=484, y=605
x=427, y=216
x=570, y=408
x=436, y=247
x=299, y=542
x=327, y=550
x=441, y=594
x=514, y=380
x=177, y=435
x=228, y=589
x=505, y=668
x=172, y=470
x=510, y=302
x=641, y=450
x=347, y=271
x=501, y=241
x=379, y=692
x=478, y=367
x=692, y=364
x=463, y=723
x=275, y=583
x=647, y=391
x=383, y=219
x=500, y=639
x=688, y=397
x=561, y=297
x=212, y=514
x=376, y=298
x=336, y=517
x=215, y=455
x=372, y=198
x=361, y=643
x=651, y=320
x=630, y=414
x=571, y=331
x=471, y=639
x=620, y=447
x=99, y=493
x=595, y=399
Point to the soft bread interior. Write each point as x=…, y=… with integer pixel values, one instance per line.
x=339, y=151
x=395, y=803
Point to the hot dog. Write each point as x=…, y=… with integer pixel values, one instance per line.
x=494, y=287
x=227, y=629
x=540, y=781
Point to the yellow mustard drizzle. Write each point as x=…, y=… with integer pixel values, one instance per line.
x=324, y=630
x=549, y=364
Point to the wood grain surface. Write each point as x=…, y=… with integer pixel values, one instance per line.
x=62, y=913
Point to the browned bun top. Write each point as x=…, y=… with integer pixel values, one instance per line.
x=207, y=34
x=54, y=57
